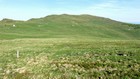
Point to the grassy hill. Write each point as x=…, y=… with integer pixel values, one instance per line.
x=69, y=47
x=68, y=26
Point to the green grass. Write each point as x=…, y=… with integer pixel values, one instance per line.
x=64, y=58
x=70, y=26
x=69, y=47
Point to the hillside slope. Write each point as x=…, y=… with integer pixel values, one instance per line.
x=68, y=26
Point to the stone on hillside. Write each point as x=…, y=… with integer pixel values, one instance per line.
x=14, y=25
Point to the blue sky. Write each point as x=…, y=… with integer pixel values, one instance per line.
x=121, y=10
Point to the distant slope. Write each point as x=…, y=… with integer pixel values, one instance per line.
x=68, y=26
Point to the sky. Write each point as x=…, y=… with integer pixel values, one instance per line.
x=120, y=10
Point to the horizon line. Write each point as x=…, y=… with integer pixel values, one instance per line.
x=68, y=14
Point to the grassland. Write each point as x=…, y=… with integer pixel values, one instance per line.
x=69, y=59
x=69, y=47
x=69, y=26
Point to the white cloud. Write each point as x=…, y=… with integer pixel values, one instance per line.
x=112, y=9
x=111, y=4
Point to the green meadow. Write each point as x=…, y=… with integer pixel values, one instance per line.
x=69, y=47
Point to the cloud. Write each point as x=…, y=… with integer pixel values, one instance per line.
x=111, y=4
x=115, y=9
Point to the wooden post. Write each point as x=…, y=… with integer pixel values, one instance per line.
x=17, y=53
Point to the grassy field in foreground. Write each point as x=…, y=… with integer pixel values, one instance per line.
x=63, y=58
